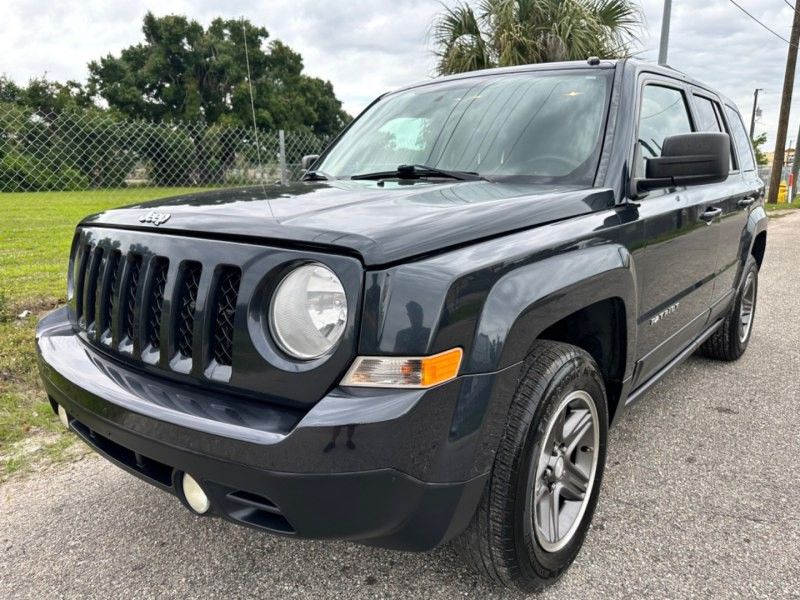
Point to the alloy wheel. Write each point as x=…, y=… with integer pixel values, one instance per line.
x=747, y=307
x=565, y=471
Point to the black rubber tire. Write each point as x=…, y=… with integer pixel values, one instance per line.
x=725, y=343
x=500, y=543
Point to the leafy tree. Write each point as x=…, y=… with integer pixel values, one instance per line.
x=501, y=33
x=183, y=72
x=44, y=96
x=759, y=141
x=10, y=92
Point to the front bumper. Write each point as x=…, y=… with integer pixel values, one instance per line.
x=396, y=468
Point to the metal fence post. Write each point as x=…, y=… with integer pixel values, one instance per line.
x=282, y=157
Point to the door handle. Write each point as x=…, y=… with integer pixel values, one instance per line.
x=746, y=201
x=710, y=214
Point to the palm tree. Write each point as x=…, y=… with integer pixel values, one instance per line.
x=501, y=33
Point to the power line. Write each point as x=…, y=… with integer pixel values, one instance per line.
x=772, y=31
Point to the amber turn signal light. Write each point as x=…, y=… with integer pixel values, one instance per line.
x=403, y=371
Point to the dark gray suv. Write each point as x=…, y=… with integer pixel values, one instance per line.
x=427, y=339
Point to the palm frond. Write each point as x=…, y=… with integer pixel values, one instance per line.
x=512, y=32
x=458, y=41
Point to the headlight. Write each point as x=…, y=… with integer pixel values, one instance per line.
x=308, y=312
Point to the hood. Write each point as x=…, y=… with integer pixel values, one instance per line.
x=380, y=224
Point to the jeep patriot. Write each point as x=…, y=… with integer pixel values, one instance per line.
x=427, y=338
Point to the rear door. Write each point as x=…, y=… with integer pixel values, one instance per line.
x=734, y=195
x=749, y=191
x=680, y=253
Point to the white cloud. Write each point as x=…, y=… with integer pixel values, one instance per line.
x=366, y=47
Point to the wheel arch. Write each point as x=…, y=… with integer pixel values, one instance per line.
x=602, y=331
x=757, y=233
x=586, y=297
x=759, y=248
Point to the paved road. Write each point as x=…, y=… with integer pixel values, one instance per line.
x=700, y=500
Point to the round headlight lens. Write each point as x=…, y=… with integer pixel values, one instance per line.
x=309, y=312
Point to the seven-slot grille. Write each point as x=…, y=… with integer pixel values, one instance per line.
x=127, y=301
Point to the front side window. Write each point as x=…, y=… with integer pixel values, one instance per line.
x=663, y=114
x=543, y=127
x=740, y=140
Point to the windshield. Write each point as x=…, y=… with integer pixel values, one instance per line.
x=545, y=127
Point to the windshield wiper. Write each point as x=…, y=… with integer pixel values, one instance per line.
x=420, y=171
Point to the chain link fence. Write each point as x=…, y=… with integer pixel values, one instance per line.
x=92, y=149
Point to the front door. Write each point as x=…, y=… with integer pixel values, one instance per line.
x=677, y=262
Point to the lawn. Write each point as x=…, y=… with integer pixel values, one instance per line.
x=35, y=236
x=782, y=205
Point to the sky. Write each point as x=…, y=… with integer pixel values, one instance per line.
x=367, y=47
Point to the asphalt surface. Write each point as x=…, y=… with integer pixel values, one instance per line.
x=700, y=500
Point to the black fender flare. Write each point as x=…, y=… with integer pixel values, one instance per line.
x=525, y=302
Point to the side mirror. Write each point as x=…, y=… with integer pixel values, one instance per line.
x=307, y=161
x=688, y=159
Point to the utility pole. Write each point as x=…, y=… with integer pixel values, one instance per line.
x=795, y=168
x=783, y=118
x=664, y=43
x=755, y=108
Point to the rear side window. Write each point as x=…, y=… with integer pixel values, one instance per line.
x=740, y=140
x=663, y=114
x=706, y=115
x=709, y=118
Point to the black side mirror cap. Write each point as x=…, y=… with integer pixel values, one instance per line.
x=688, y=159
x=307, y=161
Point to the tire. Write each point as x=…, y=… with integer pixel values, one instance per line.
x=505, y=541
x=730, y=341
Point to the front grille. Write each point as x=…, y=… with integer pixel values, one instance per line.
x=193, y=310
x=224, y=310
x=121, y=302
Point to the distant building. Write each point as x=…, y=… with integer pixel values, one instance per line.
x=787, y=160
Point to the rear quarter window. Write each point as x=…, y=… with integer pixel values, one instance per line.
x=740, y=140
x=709, y=118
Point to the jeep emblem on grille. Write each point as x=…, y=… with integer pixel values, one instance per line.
x=156, y=218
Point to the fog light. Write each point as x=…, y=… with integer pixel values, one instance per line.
x=63, y=416
x=194, y=494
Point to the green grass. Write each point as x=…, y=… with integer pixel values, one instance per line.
x=35, y=236
x=782, y=206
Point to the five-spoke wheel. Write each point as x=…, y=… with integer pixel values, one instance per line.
x=565, y=471
x=747, y=306
x=544, y=484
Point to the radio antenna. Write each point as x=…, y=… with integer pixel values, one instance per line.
x=253, y=112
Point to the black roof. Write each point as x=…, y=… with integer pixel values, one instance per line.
x=636, y=64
